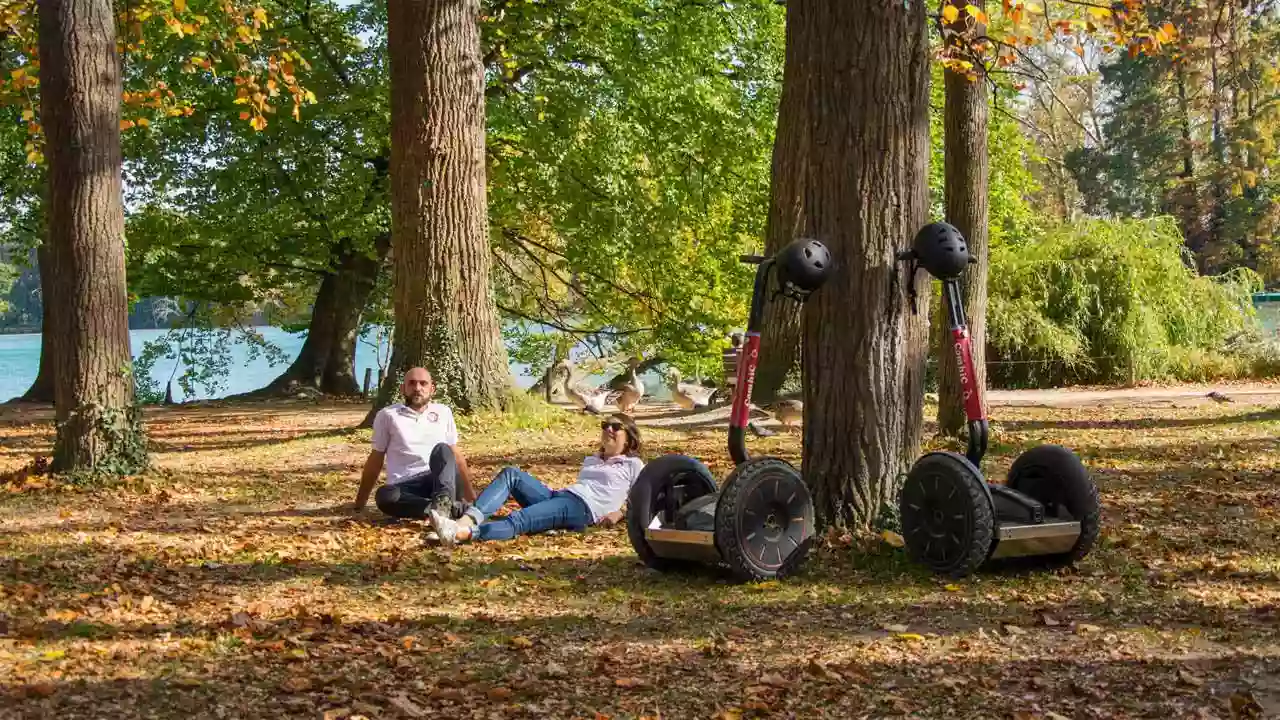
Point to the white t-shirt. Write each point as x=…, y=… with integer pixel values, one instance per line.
x=603, y=484
x=408, y=437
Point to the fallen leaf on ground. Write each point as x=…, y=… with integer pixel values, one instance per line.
x=298, y=683
x=406, y=706
x=629, y=682
x=775, y=680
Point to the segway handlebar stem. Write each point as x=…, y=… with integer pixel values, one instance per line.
x=748, y=357
x=969, y=387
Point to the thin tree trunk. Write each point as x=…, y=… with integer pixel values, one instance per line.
x=80, y=105
x=1188, y=193
x=446, y=319
x=966, y=171
x=867, y=195
x=780, y=332
x=1217, y=216
x=41, y=391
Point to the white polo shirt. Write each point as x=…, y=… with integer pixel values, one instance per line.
x=408, y=437
x=604, y=484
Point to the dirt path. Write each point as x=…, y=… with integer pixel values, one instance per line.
x=1180, y=395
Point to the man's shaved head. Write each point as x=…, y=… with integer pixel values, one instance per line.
x=418, y=388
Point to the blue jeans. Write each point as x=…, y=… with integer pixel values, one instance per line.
x=541, y=508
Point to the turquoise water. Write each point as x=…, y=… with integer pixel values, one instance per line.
x=20, y=361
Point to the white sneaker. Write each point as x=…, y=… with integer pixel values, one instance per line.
x=446, y=528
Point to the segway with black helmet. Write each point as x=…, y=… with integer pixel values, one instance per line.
x=953, y=521
x=761, y=523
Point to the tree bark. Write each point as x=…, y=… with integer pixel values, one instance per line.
x=80, y=105
x=41, y=391
x=866, y=194
x=965, y=190
x=446, y=319
x=780, y=331
x=326, y=362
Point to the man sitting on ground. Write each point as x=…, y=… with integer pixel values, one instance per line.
x=418, y=441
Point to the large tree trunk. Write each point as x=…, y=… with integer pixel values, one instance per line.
x=80, y=89
x=780, y=333
x=866, y=195
x=41, y=391
x=965, y=180
x=446, y=319
x=326, y=362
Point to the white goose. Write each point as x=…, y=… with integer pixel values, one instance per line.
x=631, y=391
x=589, y=399
x=688, y=395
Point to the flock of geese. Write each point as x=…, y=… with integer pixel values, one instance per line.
x=688, y=396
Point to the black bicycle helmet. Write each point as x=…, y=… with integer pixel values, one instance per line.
x=941, y=250
x=803, y=265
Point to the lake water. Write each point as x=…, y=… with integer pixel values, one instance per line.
x=20, y=361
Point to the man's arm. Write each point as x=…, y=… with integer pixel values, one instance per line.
x=372, y=468
x=464, y=474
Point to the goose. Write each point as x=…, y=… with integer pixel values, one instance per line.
x=586, y=398
x=688, y=395
x=787, y=411
x=631, y=391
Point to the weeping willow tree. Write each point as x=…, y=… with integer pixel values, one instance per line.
x=1105, y=301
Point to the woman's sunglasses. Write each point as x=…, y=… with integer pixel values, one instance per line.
x=611, y=425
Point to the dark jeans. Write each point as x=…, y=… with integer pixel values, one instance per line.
x=541, y=508
x=411, y=498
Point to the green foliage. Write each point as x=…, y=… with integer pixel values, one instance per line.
x=525, y=412
x=1192, y=132
x=628, y=172
x=1112, y=302
x=7, y=276
x=204, y=350
x=230, y=214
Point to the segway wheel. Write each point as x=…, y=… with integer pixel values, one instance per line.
x=948, y=519
x=664, y=485
x=764, y=520
x=1058, y=478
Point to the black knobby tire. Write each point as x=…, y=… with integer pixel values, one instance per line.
x=648, y=495
x=1058, y=478
x=764, y=520
x=948, y=518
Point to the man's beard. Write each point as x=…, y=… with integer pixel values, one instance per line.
x=417, y=401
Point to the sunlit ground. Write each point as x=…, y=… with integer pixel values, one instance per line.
x=225, y=585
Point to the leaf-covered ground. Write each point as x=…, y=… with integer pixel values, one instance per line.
x=226, y=585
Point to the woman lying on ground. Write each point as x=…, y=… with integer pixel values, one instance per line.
x=602, y=487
